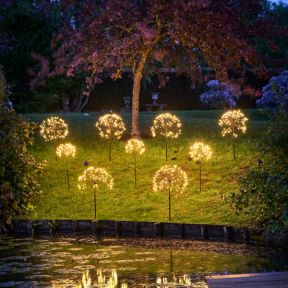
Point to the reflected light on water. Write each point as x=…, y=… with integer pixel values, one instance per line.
x=27, y=263
x=101, y=280
x=110, y=280
x=184, y=281
x=178, y=282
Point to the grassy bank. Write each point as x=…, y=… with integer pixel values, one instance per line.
x=123, y=202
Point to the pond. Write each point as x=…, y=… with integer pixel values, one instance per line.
x=125, y=263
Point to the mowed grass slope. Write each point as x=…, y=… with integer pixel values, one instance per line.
x=124, y=202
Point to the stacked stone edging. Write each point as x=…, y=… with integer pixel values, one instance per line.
x=139, y=229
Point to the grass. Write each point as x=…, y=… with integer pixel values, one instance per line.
x=124, y=202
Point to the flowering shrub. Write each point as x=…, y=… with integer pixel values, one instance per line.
x=53, y=128
x=220, y=95
x=275, y=93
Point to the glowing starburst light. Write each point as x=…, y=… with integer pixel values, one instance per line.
x=170, y=177
x=66, y=150
x=232, y=122
x=167, y=126
x=200, y=152
x=135, y=146
x=110, y=126
x=94, y=177
x=53, y=128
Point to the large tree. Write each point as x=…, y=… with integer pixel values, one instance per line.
x=150, y=36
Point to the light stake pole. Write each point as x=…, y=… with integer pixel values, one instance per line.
x=233, y=142
x=234, y=148
x=135, y=171
x=110, y=146
x=200, y=176
x=170, y=178
x=168, y=126
x=94, y=177
x=110, y=127
x=67, y=169
x=135, y=147
x=200, y=152
x=66, y=151
x=95, y=205
x=166, y=145
x=169, y=201
x=232, y=123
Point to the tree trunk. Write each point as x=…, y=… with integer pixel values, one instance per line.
x=135, y=132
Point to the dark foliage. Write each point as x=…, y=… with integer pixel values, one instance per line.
x=263, y=193
x=18, y=168
x=24, y=29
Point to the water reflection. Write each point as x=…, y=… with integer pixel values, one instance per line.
x=110, y=263
x=101, y=280
x=105, y=279
x=183, y=281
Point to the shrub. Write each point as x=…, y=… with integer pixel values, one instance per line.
x=18, y=168
x=220, y=95
x=263, y=194
x=275, y=93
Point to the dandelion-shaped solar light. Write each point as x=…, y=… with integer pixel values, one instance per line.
x=53, y=128
x=167, y=126
x=200, y=152
x=135, y=147
x=66, y=151
x=110, y=126
x=171, y=178
x=95, y=177
x=232, y=123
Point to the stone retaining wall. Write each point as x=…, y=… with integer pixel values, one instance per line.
x=138, y=229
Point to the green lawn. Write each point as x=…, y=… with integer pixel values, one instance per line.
x=123, y=202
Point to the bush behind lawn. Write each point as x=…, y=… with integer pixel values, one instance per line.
x=123, y=202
